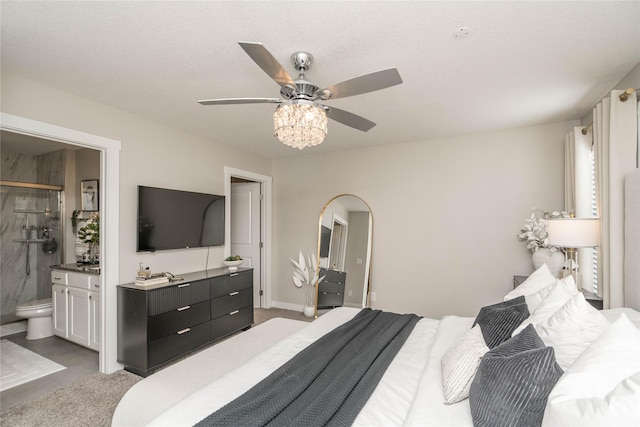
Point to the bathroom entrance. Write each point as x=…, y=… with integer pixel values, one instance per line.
x=31, y=238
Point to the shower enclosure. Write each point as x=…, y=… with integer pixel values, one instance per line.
x=31, y=241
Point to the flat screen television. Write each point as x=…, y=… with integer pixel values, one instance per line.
x=173, y=219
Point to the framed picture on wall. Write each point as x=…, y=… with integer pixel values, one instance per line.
x=89, y=195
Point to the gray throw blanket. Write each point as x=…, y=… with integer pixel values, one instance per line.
x=326, y=384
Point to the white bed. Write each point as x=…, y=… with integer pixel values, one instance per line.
x=410, y=393
x=597, y=358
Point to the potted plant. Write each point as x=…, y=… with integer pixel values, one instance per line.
x=536, y=233
x=90, y=234
x=305, y=276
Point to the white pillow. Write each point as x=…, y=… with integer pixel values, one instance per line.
x=571, y=329
x=534, y=300
x=602, y=387
x=561, y=292
x=539, y=279
x=460, y=363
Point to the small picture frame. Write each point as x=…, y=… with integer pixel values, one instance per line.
x=90, y=194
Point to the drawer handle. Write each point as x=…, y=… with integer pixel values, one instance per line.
x=232, y=294
x=57, y=278
x=233, y=274
x=186, y=307
x=184, y=331
x=185, y=285
x=96, y=286
x=234, y=312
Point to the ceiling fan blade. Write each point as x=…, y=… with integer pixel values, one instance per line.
x=363, y=84
x=349, y=119
x=268, y=63
x=226, y=101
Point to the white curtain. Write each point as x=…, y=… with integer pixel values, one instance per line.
x=578, y=193
x=569, y=172
x=615, y=135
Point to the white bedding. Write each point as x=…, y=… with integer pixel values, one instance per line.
x=387, y=406
x=410, y=393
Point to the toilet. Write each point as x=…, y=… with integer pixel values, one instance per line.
x=39, y=321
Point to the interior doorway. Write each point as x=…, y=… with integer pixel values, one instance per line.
x=246, y=233
x=109, y=214
x=248, y=227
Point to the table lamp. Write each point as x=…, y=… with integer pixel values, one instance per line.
x=571, y=234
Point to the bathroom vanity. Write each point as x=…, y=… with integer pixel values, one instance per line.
x=76, y=303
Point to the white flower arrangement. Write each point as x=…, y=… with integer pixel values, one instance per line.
x=536, y=230
x=90, y=233
x=306, y=275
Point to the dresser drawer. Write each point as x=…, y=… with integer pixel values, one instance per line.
x=234, y=301
x=231, y=322
x=178, y=319
x=232, y=283
x=178, y=343
x=333, y=276
x=330, y=300
x=172, y=297
x=329, y=287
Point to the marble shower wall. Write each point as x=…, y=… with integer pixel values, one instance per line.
x=24, y=266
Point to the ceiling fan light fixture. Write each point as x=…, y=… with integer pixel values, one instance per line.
x=300, y=124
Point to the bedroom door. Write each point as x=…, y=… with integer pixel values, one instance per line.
x=245, y=230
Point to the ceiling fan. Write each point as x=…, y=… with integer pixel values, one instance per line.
x=300, y=119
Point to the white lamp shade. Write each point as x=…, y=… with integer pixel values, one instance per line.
x=574, y=232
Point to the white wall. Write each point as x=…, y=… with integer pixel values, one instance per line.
x=152, y=154
x=445, y=213
x=631, y=80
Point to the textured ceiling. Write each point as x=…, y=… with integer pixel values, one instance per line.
x=523, y=63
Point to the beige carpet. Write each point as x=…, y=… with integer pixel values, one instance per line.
x=92, y=400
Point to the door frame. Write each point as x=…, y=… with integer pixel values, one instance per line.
x=265, y=224
x=109, y=214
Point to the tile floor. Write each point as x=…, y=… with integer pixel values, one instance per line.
x=80, y=362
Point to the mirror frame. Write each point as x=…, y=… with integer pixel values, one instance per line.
x=367, y=283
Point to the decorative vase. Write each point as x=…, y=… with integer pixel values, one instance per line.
x=309, y=310
x=554, y=260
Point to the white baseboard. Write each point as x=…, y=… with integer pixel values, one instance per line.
x=287, y=306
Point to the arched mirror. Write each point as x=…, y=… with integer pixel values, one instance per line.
x=344, y=252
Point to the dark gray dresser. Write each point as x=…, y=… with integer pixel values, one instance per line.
x=331, y=289
x=160, y=323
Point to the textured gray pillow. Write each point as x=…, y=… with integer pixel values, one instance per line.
x=513, y=382
x=498, y=321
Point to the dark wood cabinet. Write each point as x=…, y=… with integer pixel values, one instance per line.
x=331, y=289
x=160, y=323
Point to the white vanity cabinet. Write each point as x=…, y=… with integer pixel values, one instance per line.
x=76, y=307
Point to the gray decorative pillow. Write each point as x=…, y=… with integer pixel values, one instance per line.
x=498, y=321
x=513, y=382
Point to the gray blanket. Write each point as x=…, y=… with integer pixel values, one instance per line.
x=326, y=384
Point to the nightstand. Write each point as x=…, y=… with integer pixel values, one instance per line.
x=591, y=298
